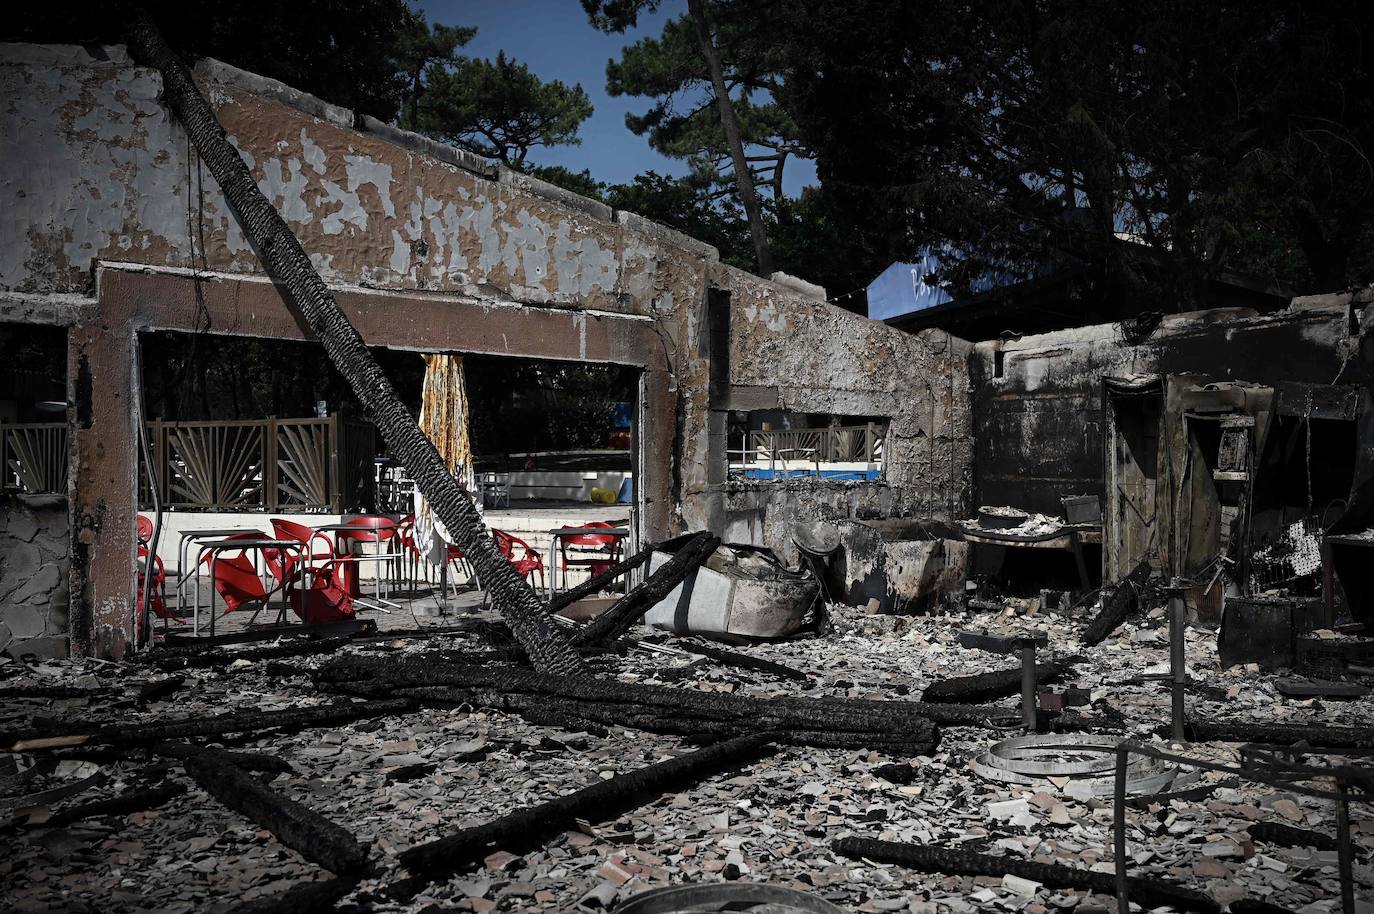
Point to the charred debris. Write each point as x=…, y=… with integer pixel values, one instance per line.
x=1138, y=674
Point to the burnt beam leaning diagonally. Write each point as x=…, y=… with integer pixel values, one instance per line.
x=289, y=265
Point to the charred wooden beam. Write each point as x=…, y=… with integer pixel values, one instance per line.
x=235, y=722
x=290, y=267
x=743, y=661
x=532, y=826
x=927, y=859
x=989, y=686
x=1117, y=605
x=630, y=608
x=304, y=898
x=1281, y=835
x=599, y=582
x=159, y=688
x=811, y=721
x=295, y=825
x=1232, y=731
x=248, y=761
x=219, y=658
x=130, y=801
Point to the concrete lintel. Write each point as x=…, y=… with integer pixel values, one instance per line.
x=746, y=397
x=54, y=310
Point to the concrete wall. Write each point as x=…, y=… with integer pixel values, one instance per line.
x=1040, y=425
x=34, y=575
x=427, y=248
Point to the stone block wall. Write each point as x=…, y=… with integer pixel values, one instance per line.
x=34, y=580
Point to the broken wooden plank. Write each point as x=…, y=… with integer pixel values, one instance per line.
x=1230, y=731
x=294, y=824
x=630, y=608
x=599, y=582
x=130, y=801
x=234, y=722
x=956, y=861
x=1281, y=835
x=532, y=826
x=303, y=898
x=989, y=686
x=1123, y=600
x=1319, y=688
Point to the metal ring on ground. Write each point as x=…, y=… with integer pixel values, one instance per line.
x=1013, y=761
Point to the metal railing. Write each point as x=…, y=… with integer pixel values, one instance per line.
x=792, y=452
x=33, y=456
x=263, y=464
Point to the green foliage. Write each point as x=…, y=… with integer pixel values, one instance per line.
x=418, y=48
x=1224, y=136
x=500, y=109
x=683, y=121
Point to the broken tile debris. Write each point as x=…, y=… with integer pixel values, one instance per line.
x=399, y=781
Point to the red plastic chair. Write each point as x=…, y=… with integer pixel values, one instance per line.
x=405, y=533
x=323, y=598
x=145, y=529
x=236, y=579
x=290, y=530
x=157, y=597
x=594, y=551
x=379, y=530
x=528, y=563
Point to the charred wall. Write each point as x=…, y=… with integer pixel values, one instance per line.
x=1038, y=401
x=112, y=226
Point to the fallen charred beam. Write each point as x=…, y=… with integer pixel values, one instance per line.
x=1188, y=795
x=159, y=688
x=176, y=643
x=248, y=761
x=744, y=661
x=122, y=805
x=215, y=658
x=910, y=723
x=599, y=582
x=47, y=691
x=532, y=826
x=1227, y=731
x=630, y=608
x=1280, y=835
x=305, y=898
x=960, y=862
x=235, y=722
x=697, y=726
x=989, y=686
x=1117, y=605
x=295, y=825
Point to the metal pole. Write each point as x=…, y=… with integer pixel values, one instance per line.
x=1123, y=904
x=1178, y=625
x=1028, y=719
x=1345, y=860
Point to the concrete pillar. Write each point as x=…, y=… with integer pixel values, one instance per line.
x=102, y=486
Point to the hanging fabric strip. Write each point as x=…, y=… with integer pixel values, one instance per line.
x=444, y=418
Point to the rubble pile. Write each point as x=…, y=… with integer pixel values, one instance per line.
x=401, y=777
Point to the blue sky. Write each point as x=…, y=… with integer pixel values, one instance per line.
x=555, y=40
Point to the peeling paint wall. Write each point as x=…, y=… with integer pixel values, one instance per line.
x=817, y=358
x=1040, y=425
x=33, y=575
x=94, y=171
